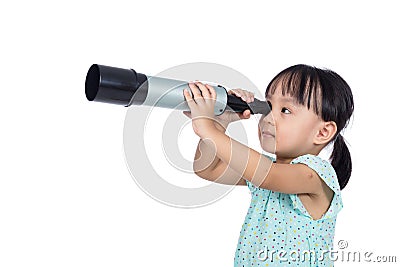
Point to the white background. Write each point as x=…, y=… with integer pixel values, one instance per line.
x=66, y=196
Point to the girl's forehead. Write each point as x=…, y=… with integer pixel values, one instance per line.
x=284, y=99
x=296, y=90
x=277, y=92
x=279, y=96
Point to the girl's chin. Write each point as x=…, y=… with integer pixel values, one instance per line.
x=268, y=146
x=269, y=149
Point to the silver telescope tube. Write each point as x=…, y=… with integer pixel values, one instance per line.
x=127, y=87
x=168, y=93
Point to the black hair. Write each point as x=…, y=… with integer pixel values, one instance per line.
x=331, y=99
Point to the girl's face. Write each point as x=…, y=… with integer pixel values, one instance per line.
x=288, y=131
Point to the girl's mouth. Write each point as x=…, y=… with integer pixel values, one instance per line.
x=267, y=134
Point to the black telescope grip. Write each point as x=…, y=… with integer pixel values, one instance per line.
x=238, y=105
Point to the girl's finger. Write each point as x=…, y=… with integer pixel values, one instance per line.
x=195, y=90
x=212, y=91
x=204, y=90
x=247, y=96
x=236, y=92
x=243, y=94
x=189, y=100
x=245, y=114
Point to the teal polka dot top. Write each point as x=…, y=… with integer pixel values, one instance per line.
x=278, y=230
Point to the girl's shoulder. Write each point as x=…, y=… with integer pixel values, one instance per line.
x=322, y=167
x=327, y=173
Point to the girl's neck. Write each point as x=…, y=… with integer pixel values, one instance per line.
x=287, y=160
x=283, y=160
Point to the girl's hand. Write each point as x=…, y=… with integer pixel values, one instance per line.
x=230, y=116
x=222, y=121
x=201, y=106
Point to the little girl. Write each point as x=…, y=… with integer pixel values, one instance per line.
x=295, y=195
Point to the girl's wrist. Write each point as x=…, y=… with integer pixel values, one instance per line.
x=221, y=127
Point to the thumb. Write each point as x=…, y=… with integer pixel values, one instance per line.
x=188, y=114
x=246, y=114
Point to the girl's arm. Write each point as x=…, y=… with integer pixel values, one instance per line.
x=254, y=167
x=206, y=163
x=217, y=170
x=261, y=171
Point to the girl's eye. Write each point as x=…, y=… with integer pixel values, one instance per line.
x=285, y=111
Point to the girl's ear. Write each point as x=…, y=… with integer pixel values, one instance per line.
x=325, y=133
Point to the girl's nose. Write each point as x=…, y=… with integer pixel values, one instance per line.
x=270, y=119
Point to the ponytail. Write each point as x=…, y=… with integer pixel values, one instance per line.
x=341, y=161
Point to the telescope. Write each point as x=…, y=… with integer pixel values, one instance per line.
x=127, y=87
